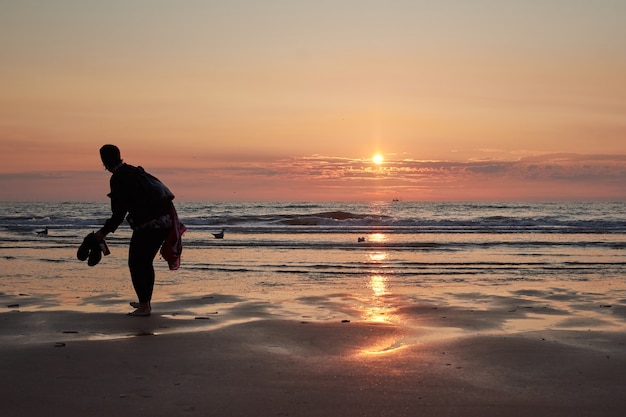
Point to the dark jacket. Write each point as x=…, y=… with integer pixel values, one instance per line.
x=128, y=196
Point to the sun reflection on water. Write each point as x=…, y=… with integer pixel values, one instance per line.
x=377, y=256
x=377, y=237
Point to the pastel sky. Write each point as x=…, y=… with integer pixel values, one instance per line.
x=289, y=100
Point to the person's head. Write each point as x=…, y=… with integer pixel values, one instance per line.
x=110, y=155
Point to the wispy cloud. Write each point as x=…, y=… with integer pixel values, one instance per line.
x=315, y=177
x=551, y=167
x=551, y=176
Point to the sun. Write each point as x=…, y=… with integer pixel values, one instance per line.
x=378, y=159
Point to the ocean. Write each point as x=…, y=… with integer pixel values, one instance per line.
x=361, y=261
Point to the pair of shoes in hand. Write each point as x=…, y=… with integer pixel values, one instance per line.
x=90, y=250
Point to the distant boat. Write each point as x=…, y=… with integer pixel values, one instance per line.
x=361, y=239
x=43, y=232
x=219, y=235
x=395, y=200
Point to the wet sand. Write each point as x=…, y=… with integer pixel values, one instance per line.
x=74, y=363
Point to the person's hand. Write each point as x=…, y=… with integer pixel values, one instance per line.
x=99, y=236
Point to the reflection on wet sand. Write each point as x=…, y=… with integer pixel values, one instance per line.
x=376, y=308
x=385, y=346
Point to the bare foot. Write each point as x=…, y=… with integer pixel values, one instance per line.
x=142, y=309
x=140, y=313
x=135, y=304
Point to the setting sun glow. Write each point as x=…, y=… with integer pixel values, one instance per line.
x=247, y=102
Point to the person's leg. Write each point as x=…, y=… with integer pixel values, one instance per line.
x=144, y=245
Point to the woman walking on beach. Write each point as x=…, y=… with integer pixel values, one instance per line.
x=147, y=205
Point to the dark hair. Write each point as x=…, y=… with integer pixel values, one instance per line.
x=110, y=155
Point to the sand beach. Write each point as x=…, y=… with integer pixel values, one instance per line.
x=74, y=363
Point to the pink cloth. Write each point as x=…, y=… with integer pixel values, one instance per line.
x=172, y=248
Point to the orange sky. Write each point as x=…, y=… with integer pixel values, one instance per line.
x=279, y=100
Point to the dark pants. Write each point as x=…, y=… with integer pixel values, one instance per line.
x=144, y=245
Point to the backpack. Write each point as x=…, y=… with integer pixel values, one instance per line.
x=151, y=189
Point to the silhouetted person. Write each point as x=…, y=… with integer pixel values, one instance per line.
x=147, y=205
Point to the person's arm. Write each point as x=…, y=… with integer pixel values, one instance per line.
x=111, y=224
x=119, y=207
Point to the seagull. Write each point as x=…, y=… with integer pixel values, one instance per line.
x=43, y=232
x=219, y=235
